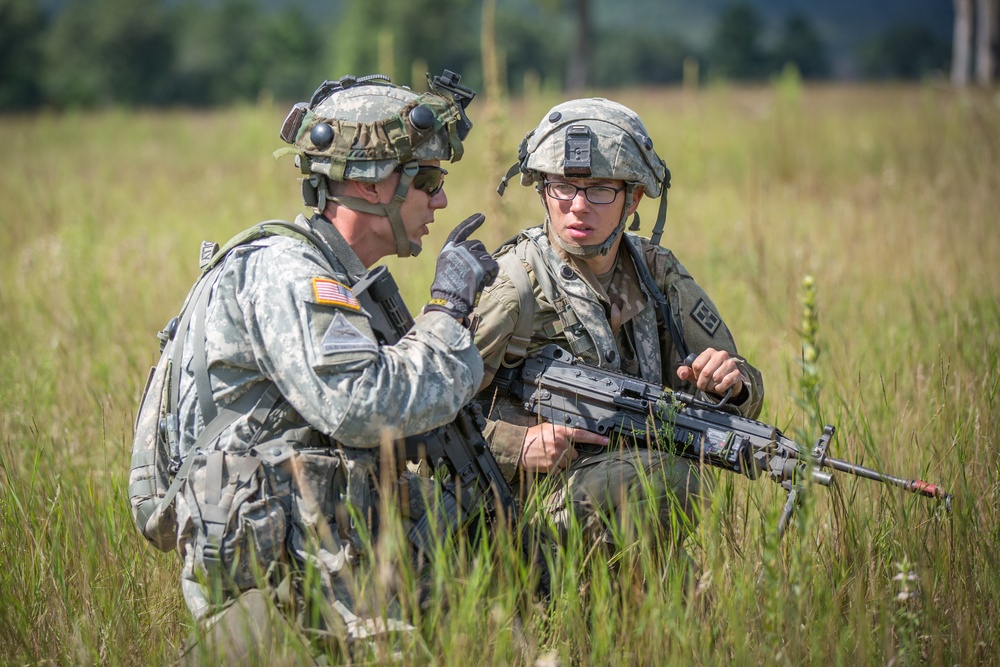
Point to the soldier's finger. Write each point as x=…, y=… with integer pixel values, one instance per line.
x=464, y=229
x=589, y=437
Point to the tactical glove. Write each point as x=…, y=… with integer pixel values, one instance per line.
x=463, y=268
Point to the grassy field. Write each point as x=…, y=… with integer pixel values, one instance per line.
x=887, y=197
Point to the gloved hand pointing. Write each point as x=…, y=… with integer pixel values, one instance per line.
x=464, y=268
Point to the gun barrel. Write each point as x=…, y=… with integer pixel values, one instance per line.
x=917, y=486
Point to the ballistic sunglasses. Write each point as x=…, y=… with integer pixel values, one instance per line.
x=429, y=179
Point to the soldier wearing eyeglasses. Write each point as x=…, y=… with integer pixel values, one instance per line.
x=613, y=300
x=306, y=394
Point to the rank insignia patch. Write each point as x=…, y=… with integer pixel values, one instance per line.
x=343, y=337
x=706, y=317
x=331, y=293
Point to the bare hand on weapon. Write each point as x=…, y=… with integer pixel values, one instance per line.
x=712, y=371
x=550, y=447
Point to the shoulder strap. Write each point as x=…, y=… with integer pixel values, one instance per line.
x=646, y=276
x=513, y=262
x=216, y=420
x=333, y=246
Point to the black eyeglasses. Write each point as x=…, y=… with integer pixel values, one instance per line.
x=595, y=194
x=429, y=178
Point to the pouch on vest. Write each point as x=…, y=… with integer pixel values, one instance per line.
x=235, y=504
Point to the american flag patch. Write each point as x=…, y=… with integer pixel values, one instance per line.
x=332, y=293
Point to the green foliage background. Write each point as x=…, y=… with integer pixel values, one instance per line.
x=886, y=196
x=84, y=54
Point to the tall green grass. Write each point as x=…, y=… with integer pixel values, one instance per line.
x=887, y=197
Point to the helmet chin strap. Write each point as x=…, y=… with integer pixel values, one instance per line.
x=392, y=210
x=591, y=251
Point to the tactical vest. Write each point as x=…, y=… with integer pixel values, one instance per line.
x=582, y=318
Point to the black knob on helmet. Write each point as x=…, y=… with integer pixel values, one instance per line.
x=421, y=117
x=321, y=135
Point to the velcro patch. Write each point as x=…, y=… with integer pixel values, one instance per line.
x=342, y=336
x=706, y=317
x=331, y=293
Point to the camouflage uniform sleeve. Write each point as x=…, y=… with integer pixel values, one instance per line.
x=318, y=348
x=701, y=326
x=496, y=316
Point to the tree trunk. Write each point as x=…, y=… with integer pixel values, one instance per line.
x=577, y=71
x=961, y=49
x=986, y=37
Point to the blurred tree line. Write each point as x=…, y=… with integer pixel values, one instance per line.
x=92, y=53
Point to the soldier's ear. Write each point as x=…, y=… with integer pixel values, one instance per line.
x=366, y=191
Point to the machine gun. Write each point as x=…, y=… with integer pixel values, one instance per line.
x=477, y=482
x=561, y=390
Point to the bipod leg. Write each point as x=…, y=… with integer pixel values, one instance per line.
x=794, y=500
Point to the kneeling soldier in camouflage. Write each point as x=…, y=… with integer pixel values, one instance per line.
x=612, y=300
x=276, y=394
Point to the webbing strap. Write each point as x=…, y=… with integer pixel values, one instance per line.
x=560, y=302
x=392, y=211
x=173, y=395
x=661, y=215
x=517, y=349
x=213, y=476
x=260, y=394
x=342, y=252
x=199, y=360
x=657, y=295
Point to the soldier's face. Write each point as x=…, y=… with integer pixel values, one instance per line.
x=417, y=210
x=419, y=207
x=578, y=221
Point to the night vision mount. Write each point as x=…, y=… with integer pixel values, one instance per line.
x=448, y=83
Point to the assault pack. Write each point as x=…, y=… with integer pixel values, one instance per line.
x=157, y=470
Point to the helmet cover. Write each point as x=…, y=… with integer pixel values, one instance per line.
x=363, y=129
x=592, y=138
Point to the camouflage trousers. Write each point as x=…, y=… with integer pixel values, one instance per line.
x=613, y=494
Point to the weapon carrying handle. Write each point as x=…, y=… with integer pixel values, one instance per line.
x=688, y=361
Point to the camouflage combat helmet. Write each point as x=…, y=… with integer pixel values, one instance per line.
x=364, y=128
x=594, y=138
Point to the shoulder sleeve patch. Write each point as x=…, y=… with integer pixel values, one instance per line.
x=342, y=336
x=706, y=317
x=331, y=293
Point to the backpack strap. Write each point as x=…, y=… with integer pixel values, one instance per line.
x=513, y=262
x=217, y=419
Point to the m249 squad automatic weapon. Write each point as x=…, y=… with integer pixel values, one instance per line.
x=560, y=390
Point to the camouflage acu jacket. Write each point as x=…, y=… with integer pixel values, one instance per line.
x=278, y=314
